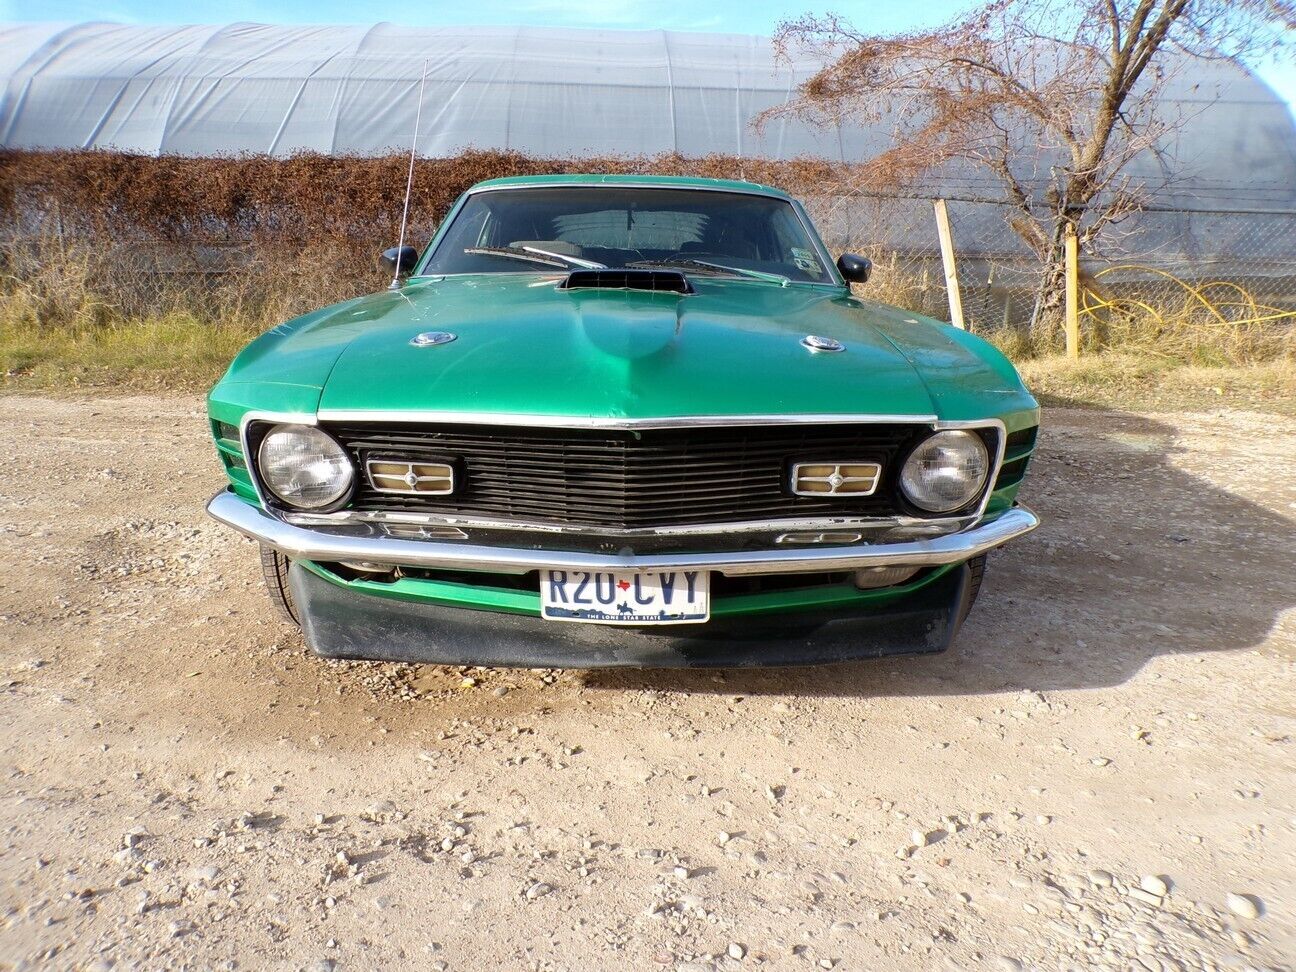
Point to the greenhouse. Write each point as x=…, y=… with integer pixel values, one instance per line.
x=252, y=88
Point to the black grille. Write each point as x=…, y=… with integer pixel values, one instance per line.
x=1017, y=452
x=630, y=479
x=1012, y=472
x=1023, y=440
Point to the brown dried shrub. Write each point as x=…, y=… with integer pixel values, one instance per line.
x=110, y=196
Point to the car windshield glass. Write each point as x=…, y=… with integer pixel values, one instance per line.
x=619, y=226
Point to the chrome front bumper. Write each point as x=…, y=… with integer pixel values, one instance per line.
x=359, y=542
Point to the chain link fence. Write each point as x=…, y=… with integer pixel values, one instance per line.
x=1155, y=277
x=1207, y=268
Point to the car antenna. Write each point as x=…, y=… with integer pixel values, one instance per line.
x=409, y=181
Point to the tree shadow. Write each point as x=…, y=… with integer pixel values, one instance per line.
x=1136, y=557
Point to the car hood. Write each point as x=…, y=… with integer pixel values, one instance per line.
x=523, y=346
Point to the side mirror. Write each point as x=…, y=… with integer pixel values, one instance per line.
x=855, y=268
x=399, y=260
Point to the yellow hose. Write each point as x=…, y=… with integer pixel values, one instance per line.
x=1255, y=312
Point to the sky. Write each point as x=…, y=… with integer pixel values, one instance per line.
x=725, y=16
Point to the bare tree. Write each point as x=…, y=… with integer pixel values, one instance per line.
x=1055, y=98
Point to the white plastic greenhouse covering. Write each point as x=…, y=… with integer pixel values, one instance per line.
x=251, y=88
x=339, y=90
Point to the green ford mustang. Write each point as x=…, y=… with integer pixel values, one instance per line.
x=608, y=420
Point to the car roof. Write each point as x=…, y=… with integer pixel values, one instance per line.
x=603, y=179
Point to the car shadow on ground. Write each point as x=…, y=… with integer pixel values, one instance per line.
x=1137, y=557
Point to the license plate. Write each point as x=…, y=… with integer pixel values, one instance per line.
x=648, y=597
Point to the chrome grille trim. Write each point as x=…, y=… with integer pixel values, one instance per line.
x=407, y=477
x=878, y=524
x=836, y=479
x=531, y=420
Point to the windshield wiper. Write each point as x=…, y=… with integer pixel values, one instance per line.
x=534, y=254
x=686, y=263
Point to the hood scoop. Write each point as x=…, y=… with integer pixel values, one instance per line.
x=657, y=281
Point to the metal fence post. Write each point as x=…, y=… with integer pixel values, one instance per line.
x=1072, y=269
x=947, y=259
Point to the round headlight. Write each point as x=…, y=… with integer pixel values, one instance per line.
x=946, y=471
x=304, y=467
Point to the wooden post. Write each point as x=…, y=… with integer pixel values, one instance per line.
x=951, y=271
x=1072, y=294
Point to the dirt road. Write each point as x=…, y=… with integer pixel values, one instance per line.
x=1082, y=782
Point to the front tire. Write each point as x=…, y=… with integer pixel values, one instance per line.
x=274, y=567
x=977, y=566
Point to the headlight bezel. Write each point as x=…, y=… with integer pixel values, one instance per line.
x=984, y=437
x=262, y=432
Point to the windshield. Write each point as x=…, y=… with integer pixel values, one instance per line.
x=701, y=231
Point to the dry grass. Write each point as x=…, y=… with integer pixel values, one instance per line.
x=1164, y=327
x=172, y=351
x=78, y=315
x=1166, y=358
x=121, y=317
x=1142, y=383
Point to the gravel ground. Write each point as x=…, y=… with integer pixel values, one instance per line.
x=1099, y=774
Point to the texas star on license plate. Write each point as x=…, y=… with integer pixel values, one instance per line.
x=650, y=597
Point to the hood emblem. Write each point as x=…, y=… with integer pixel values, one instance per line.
x=817, y=345
x=430, y=339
